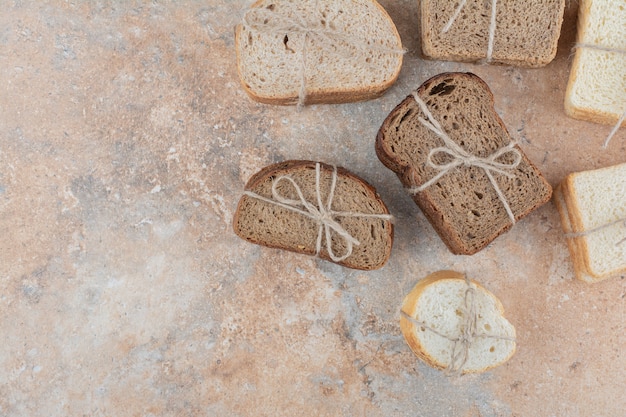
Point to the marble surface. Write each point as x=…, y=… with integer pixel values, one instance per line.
x=125, y=143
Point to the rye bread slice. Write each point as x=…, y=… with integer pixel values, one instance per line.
x=307, y=52
x=358, y=209
x=526, y=32
x=462, y=205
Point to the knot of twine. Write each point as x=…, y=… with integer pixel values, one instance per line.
x=614, y=51
x=492, y=26
x=468, y=332
x=584, y=233
x=264, y=20
x=322, y=214
x=460, y=157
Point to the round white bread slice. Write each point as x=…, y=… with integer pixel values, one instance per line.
x=455, y=324
x=322, y=51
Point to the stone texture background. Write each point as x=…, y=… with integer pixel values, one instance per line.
x=125, y=143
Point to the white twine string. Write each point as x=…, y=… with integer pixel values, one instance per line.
x=492, y=26
x=322, y=214
x=460, y=157
x=573, y=235
x=266, y=21
x=614, y=130
x=623, y=116
x=468, y=332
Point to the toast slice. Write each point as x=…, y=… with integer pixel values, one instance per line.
x=525, y=33
x=462, y=204
x=316, y=209
x=592, y=207
x=321, y=51
x=455, y=324
x=596, y=90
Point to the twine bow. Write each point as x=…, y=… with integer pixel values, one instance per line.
x=264, y=20
x=492, y=26
x=322, y=214
x=462, y=343
x=460, y=157
x=623, y=116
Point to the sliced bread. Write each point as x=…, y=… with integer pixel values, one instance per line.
x=294, y=51
x=522, y=33
x=473, y=188
x=455, y=324
x=596, y=90
x=316, y=209
x=592, y=207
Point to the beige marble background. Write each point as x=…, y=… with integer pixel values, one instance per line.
x=125, y=142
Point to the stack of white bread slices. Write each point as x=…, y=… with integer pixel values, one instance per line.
x=455, y=324
x=592, y=206
x=596, y=90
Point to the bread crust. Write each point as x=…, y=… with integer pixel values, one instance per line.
x=318, y=95
x=423, y=199
x=409, y=306
x=573, y=244
x=284, y=168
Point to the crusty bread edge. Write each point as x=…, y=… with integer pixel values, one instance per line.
x=284, y=167
x=572, y=243
x=323, y=96
x=572, y=110
x=431, y=53
x=403, y=172
x=409, y=306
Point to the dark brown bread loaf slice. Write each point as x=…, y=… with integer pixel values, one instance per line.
x=526, y=32
x=358, y=210
x=462, y=205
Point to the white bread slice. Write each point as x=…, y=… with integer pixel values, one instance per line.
x=435, y=313
x=349, y=51
x=596, y=90
x=592, y=207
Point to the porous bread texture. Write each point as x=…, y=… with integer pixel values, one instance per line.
x=438, y=301
x=463, y=206
x=526, y=34
x=587, y=202
x=596, y=90
x=272, y=63
x=270, y=225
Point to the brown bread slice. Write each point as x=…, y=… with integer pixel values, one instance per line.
x=326, y=51
x=526, y=32
x=463, y=206
x=269, y=224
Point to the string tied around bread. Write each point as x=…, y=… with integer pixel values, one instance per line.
x=321, y=212
x=618, y=222
x=468, y=331
x=492, y=26
x=265, y=20
x=613, y=51
x=460, y=157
